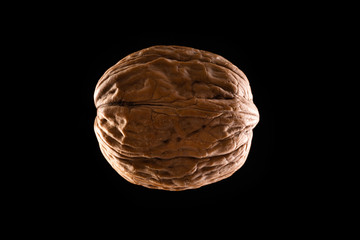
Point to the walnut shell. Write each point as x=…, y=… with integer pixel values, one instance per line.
x=174, y=118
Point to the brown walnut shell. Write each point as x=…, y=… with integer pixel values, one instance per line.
x=174, y=118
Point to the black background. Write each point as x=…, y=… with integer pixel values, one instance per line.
x=288, y=54
x=71, y=172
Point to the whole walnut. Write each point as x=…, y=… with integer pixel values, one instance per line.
x=174, y=118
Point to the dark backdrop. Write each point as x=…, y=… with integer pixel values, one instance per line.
x=58, y=173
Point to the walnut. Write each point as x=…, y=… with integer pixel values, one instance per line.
x=174, y=118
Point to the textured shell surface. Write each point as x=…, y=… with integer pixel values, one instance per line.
x=174, y=118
